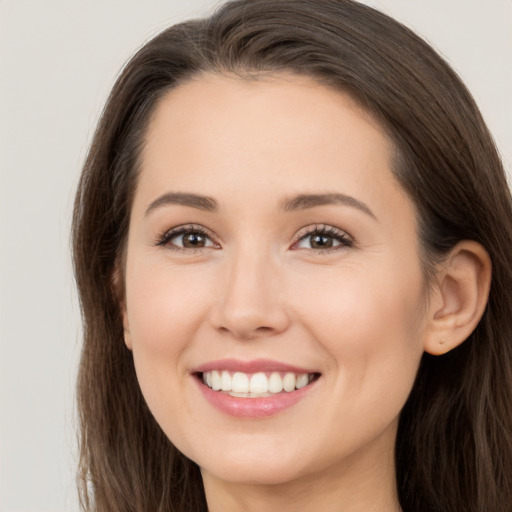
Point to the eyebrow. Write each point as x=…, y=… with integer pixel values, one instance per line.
x=305, y=201
x=192, y=200
x=300, y=202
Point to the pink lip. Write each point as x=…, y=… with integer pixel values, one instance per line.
x=251, y=407
x=257, y=365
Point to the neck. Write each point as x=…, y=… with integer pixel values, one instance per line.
x=365, y=483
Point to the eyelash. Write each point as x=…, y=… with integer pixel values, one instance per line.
x=165, y=239
x=345, y=241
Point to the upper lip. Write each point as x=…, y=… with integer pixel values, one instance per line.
x=254, y=366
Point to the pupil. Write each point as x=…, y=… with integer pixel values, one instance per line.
x=321, y=241
x=193, y=240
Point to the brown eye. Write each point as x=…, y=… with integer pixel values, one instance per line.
x=187, y=237
x=321, y=242
x=193, y=240
x=324, y=238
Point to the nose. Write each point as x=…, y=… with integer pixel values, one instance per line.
x=250, y=302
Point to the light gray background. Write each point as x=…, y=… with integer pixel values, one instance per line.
x=58, y=60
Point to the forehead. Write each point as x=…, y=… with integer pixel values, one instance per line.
x=267, y=111
x=274, y=135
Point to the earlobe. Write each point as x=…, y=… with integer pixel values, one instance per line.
x=459, y=298
x=126, y=325
x=127, y=339
x=119, y=293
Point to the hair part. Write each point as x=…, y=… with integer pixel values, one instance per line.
x=454, y=443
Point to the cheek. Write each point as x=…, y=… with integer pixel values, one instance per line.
x=162, y=312
x=371, y=325
x=371, y=331
x=163, y=305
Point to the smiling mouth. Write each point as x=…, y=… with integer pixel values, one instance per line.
x=255, y=385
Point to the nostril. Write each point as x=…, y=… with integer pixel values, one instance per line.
x=250, y=334
x=246, y=332
x=264, y=329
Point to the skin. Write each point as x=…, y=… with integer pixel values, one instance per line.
x=359, y=313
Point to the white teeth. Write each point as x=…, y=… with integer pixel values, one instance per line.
x=275, y=383
x=256, y=384
x=216, y=380
x=240, y=383
x=302, y=380
x=289, y=382
x=226, y=381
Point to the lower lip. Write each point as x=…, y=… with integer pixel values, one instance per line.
x=253, y=407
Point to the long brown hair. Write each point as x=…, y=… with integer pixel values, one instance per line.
x=454, y=443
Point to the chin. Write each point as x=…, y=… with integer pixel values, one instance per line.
x=265, y=461
x=254, y=472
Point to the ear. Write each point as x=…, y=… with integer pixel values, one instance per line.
x=458, y=297
x=119, y=292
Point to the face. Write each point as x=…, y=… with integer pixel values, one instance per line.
x=272, y=254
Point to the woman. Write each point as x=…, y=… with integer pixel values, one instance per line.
x=284, y=237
